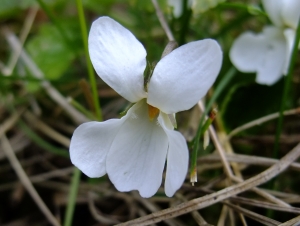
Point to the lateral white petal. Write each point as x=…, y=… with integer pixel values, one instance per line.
x=291, y=13
x=289, y=35
x=90, y=144
x=184, y=76
x=273, y=65
x=274, y=8
x=137, y=156
x=177, y=160
x=248, y=51
x=118, y=58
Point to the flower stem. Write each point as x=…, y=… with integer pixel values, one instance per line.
x=72, y=197
x=88, y=61
x=202, y=128
x=76, y=175
x=187, y=13
x=286, y=89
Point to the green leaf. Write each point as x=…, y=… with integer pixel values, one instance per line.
x=50, y=51
x=201, y=6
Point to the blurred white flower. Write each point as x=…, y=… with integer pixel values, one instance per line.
x=133, y=150
x=268, y=53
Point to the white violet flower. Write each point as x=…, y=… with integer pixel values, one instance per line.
x=133, y=150
x=268, y=53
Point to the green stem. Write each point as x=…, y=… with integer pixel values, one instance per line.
x=185, y=22
x=201, y=128
x=88, y=61
x=76, y=176
x=286, y=89
x=72, y=197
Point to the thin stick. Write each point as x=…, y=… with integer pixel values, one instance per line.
x=293, y=221
x=261, y=120
x=25, y=180
x=257, y=217
x=37, y=73
x=44, y=128
x=218, y=146
x=246, y=159
x=211, y=199
x=163, y=21
x=23, y=35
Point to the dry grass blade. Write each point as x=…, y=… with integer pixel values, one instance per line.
x=95, y=213
x=218, y=146
x=25, y=181
x=162, y=21
x=216, y=197
x=263, y=204
x=257, y=217
x=10, y=122
x=293, y=222
x=247, y=159
x=33, y=120
x=260, y=121
x=37, y=73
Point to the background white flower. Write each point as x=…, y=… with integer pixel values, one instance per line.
x=133, y=150
x=268, y=53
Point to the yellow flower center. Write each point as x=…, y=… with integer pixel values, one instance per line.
x=153, y=112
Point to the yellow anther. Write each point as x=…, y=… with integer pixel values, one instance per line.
x=153, y=112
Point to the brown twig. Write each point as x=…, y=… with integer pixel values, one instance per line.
x=223, y=194
x=163, y=21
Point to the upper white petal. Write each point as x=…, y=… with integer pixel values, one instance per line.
x=264, y=53
x=90, y=144
x=291, y=13
x=118, y=58
x=274, y=9
x=248, y=51
x=184, y=76
x=177, y=159
x=137, y=156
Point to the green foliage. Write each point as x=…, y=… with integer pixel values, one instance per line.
x=50, y=51
x=200, y=6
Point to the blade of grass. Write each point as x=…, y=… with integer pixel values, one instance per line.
x=41, y=142
x=286, y=89
x=228, y=76
x=76, y=176
x=88, y=61
x=72, y=197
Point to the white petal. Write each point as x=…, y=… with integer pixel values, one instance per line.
x=247, y=51
x=274, y=8
x=118, y=58
x=177, y=160
x=137, y=156
x=90, y=144
x=289, y=35
x=291, y=13
x=184, y=76
x=273, y=65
